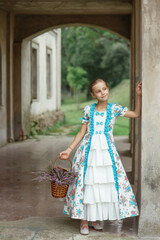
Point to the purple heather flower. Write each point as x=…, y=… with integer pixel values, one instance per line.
x=56, y=174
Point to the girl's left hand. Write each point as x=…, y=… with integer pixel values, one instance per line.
x=139, y=89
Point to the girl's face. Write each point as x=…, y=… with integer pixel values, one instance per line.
x=100, y=91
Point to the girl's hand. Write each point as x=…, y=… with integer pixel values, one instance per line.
x=65, y=154
x=139, y=89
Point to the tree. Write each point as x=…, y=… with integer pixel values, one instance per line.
x=116, y=64
x=76, y=78
x=100, y=53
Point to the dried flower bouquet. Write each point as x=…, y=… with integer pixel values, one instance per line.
x=56, y=174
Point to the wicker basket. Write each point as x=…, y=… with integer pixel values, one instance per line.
x=59, y=191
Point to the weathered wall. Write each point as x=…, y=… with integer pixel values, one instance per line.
x=3, y=78
x=43, y=104
x=149, y=224
x=31, y=109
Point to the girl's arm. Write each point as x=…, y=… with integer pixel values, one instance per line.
x=137, y=112
x=65, y=154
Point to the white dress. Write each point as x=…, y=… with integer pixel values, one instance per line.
x=100, y=194
x=101, y=190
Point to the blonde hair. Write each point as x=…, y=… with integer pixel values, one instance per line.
x=97, y=81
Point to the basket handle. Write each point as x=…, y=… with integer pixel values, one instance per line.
x=62, y=159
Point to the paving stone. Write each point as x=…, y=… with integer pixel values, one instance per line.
x=17, y=234
x=47, y=235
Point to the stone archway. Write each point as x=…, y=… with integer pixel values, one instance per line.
x=144, y=32
x=121, y=25
x=25, y=75
x=126, y=24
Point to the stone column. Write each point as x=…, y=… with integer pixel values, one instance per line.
x=17, y=93
x=10, y=40
x=137, y=79
x=149, y=221
x=26, y=85
x=136, y=165
x=132, y=90
x=135, y=124
x=3, y=78
x=58, y=70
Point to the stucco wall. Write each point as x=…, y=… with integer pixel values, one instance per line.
x=43, y=104
x=3, y=56
x=30, y=107
x=149, y=224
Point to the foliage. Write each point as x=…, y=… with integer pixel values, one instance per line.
x=37, y=130
x=116, y=64
x=96, y=51
x=33, y=130
x=76, y=78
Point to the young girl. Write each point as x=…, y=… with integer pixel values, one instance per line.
x=101, y=190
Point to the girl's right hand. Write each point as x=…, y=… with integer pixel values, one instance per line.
x=65, y=154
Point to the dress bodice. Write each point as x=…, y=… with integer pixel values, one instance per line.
x=98, y=140
x=99, y=122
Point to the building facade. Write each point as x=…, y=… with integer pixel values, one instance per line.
x=41, y=79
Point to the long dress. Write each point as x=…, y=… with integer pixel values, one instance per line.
x=101, y=190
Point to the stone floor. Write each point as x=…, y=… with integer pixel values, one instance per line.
x=28, y=211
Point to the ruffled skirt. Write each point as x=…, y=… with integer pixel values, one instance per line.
x=100, y=196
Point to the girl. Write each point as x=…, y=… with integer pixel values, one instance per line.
x=101, y=190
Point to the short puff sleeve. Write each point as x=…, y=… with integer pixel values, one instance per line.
x=86, y=111
x=119, y=110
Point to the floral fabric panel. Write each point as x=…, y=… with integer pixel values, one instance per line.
x=73, y=204
x=86, y=115
x=119, y=110
x=127, y=202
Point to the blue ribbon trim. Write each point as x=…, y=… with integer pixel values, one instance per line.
x=84, y=119
x=106, y=130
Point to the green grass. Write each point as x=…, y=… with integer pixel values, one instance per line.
x=67, y=99
x=73, y=132
x=121, y=127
